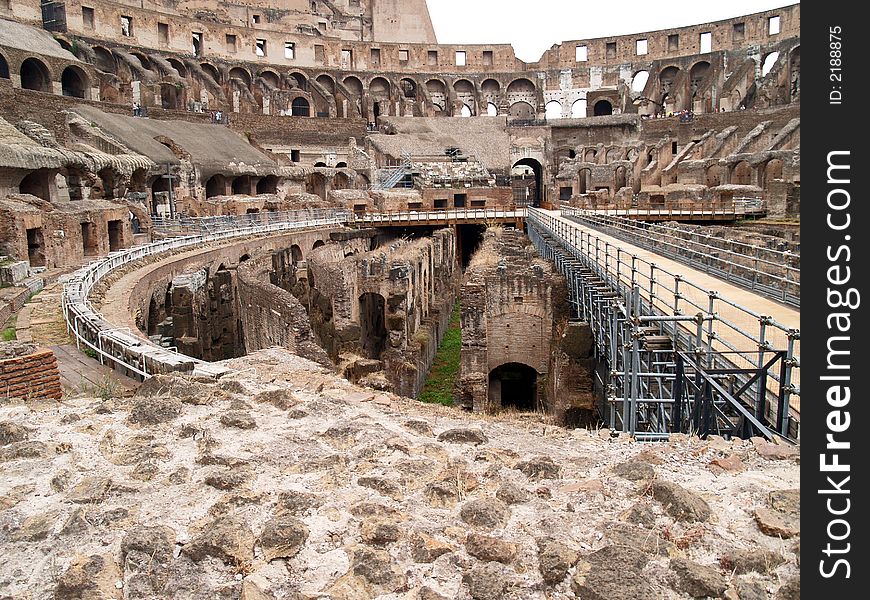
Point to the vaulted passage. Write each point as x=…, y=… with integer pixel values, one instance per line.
x=513, y=385
x=373, y=335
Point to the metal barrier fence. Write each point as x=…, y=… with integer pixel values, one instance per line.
x=772, y=273
x=207, y=225
x=631, y=293
x=120, y=346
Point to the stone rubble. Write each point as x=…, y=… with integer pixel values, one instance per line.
x=332, y=496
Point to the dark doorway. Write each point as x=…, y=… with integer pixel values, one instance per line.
x=34, y=76
x=296, y=253
x=514, y=385
x=90, y=243
x=268, y=185
x=116, y=236
x=602, y=108
x=35, y=247
x=468, y=238
x=73, y=83
x=35, y=184
x=373, y=329
x=242, y=186
x=300, y=108
x=215, y=186
x=526, y=178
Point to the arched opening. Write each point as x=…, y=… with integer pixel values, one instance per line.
x=521, y=86
x=137, y=181
x=697, y=74
x=268, y=185
x=4, y=68
x=373, y=328
x=35, y=247
x=178, y=66
x=772, y=171
x=341, y=182
x=216, y=186
x=769, y=62
x=320, y=164
x=409, y=88
x=714, y=176
x=73, y=82
x=354, y=85
x=143, y=60
x=602, y=108
x=212, y=71
x=296, y=254
x=742, y=174
x=34, y=75
x=36, y=184
x=244, y=258
x=242, y=185
x=465, y=111
x=463, y=86
x=170, y=96
x=300, y=108
x=620, y=178
x=109, y=180
x=490, y=87
x=379, y=87
x=666, y=81
x=526, y=178
x=160, y=202
x=794, y=68
x=491, y=109
x=553, y=109
x=522, y=111
x=639, y=81
x=317, y=184
x=271, y=79
x=578, y=109
x=327, y=82
x=297, y=80
x=341, y=165
x=318, y=244
x=104, y=60
x=514, y=385
x=241, y=75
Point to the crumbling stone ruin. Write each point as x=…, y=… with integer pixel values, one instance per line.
x=519, y=349
x=267, y=213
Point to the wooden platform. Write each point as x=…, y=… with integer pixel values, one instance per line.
x=81, y=374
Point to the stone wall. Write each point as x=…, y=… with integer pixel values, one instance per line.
x=516, y=333
x=28, y=373
x=381, y=314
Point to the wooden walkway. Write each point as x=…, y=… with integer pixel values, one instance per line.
x=41, y=322
x=81, y=374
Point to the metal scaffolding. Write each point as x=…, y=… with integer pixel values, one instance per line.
x=677, y=358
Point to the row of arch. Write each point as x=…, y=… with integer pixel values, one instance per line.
x=36, y=75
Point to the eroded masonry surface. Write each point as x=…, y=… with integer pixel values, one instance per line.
x=239, y=242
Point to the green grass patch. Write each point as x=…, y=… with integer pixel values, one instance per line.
x=441, y=382
x=8, y=334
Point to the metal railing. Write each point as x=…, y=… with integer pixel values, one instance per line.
x=446, y=216
x=774, y=274
x=688, y=210
x=627, y=295
x=120, y=346
x=207, y=225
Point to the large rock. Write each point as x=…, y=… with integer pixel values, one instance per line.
x=425, y=548
x=37, y=527
x=377, y=567
x=679, y=502
x=238, y=419
x=283, y=538
x=154, y=410
x=89, y=578
x=463, y=436
x=611, y=573
x=635, y=470
x=777, y=524
x=489, y=548
x=157, y=542
x=539, y=467
x=281, y=399
x=90, y=490
x=750, y=590
x=748, y=561
x=381, y=485
x=790, y=590
x=555, y=558
x=487, y=513
x=510, y=493
x=698, y=581
x=12, y=432
x=379, y=532
x=174, y=386
x=488, y=581
x=226, y=538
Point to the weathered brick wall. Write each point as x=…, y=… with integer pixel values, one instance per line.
x=33, y=376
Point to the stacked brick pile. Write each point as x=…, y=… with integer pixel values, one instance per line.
x=28, y=373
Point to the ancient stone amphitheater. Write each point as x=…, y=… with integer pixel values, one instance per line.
x=298, y=303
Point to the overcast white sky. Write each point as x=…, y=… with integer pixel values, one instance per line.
x=533, y=26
